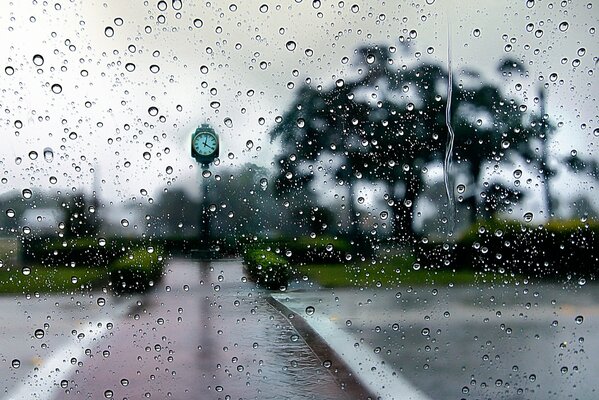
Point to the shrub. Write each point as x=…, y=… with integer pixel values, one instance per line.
x=306, y=250
x=267, y=268
x=556, y=249
x=85, y=251
x=137, y=270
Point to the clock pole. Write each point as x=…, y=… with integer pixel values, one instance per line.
x=204, y=149
x=204, y=216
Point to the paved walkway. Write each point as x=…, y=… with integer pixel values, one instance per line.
x=203, y=333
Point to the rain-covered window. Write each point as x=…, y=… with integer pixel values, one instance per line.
x=299, y=199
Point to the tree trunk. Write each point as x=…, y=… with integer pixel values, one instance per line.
x=354, y=222
x=403, y=210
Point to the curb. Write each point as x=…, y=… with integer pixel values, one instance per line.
x=334, y=363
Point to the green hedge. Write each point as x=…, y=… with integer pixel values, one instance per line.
x=137, y=270
x=86, y=251
x=556, y=249
x=267, y=268
x=306, y=250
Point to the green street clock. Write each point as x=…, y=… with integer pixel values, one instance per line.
x=204, y=144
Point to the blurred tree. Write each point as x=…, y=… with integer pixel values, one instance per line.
x=387, y=125
x=241, y=202
x=498, y=198
x=81, y=218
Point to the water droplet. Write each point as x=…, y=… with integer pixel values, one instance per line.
x=476, y=32
x=355, y=8
x=125, y=222
x=153, y=111
x=10, y=213
x=563, y=26
x=53, y=180
x=16, y=363
x=530, y=3
x=38, y=60
x=228, y=122
x=425, y=332
x=579, y=319
x=118, y=21
x=147, y=155
x=169, y=170
x=26, y=193
x=56, y=88
x=249, y=144
x=108, y=394
x=215, y=104
x=108, y=31
x=154, y=68
x=596, y=132
x=39, y=333
x=73, y=135
x=101, y=301
x=102, y=242
x=33, y=155
x=125, y=382
x=582, y=281
x=370, y=58
x=130, y=67
x=198, y=23
x=461, y=188
x=310, y=310
x=528, y=217
x=264, y=8
x=518, y=173
x=263, y=183
x=291, y=45
x=9, y=70
x=384, y=215
x=48, y=154
x=18, y=124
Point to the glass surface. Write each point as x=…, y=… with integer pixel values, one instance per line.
x=404, y=202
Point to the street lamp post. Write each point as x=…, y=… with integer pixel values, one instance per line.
x=204, y=149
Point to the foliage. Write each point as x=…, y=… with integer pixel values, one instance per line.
x=137, y=270
x=559, y=248
x=81, y=220
x=390, y=141
x=267, y=268
x=80, y=251
x=40, y=279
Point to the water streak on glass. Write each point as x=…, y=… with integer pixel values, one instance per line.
x=450, y=138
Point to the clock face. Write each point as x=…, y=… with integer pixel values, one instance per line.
x=205, y=143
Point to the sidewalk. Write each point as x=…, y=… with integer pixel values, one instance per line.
x=204, y=333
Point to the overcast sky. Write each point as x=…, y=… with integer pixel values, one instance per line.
x=243, y=61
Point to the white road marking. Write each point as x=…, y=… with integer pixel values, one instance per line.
x=43, y=383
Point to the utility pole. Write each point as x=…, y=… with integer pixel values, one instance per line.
x=545, y=170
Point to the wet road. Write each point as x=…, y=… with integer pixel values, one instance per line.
x=509, y=342
x=203, y=333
